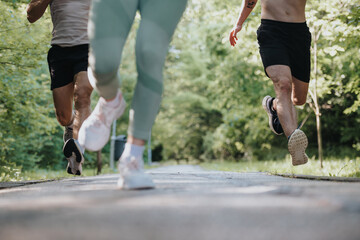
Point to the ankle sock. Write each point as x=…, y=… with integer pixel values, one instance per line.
x=133, y=150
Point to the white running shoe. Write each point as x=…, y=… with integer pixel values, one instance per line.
x=73, y=153
x=297, y=145
x=132, y=175
x=95, y=130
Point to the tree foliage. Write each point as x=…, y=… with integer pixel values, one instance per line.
x=26, y=111
x=335, y=26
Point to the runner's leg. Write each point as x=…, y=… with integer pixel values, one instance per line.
x=109, y=24
x=159, y=19
x=282, y=80
x=63, y=100
x=82, y=93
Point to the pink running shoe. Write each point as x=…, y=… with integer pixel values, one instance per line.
x=95, y=130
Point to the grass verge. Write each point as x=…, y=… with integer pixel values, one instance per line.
x=47, y=174
x=333, y=168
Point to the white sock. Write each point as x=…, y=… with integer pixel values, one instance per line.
x=115, y=102
x=133, y=150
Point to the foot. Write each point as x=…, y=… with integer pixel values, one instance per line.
x=95, y=130
x=274, y=122
x=132, y=175
x=68, y=133
x=297, y=145
x=73, y=153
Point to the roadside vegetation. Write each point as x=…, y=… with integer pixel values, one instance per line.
x=331, y=167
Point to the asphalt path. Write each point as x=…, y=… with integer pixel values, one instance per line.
x=187, y=203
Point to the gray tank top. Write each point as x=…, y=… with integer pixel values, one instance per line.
x=70, y=21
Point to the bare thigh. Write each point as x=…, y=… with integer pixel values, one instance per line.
x=281, y=77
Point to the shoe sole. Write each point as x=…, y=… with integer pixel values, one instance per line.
x=138, y=182
x=69, y=171
x=76, y=167
x=264, y=105
x=70, y=148
x=297, y=145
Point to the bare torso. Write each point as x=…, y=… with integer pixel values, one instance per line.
x=283, y=10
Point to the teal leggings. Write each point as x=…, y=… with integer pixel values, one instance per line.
x=109, y=25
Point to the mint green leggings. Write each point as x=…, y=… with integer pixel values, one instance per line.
x=109, y=25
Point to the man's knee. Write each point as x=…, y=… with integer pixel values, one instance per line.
x=282, y=84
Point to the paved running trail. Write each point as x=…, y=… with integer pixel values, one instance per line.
x=188, y=203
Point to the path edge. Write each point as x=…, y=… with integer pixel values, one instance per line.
x=318, y=178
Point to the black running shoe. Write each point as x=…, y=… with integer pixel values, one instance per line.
x=73, y=154
x=274, y=122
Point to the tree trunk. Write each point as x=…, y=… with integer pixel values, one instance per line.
x=99, y=162
x=319, y=138
x=316, y=107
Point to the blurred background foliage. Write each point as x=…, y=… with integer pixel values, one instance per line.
x=211, y=109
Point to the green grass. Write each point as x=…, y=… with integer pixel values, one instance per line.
x=48, y=174
x=334, y=167
x=45, y=174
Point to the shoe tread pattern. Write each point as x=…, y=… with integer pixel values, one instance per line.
x=297, y=145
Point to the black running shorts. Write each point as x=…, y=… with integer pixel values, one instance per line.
x=283, y=43
x=66, y=62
